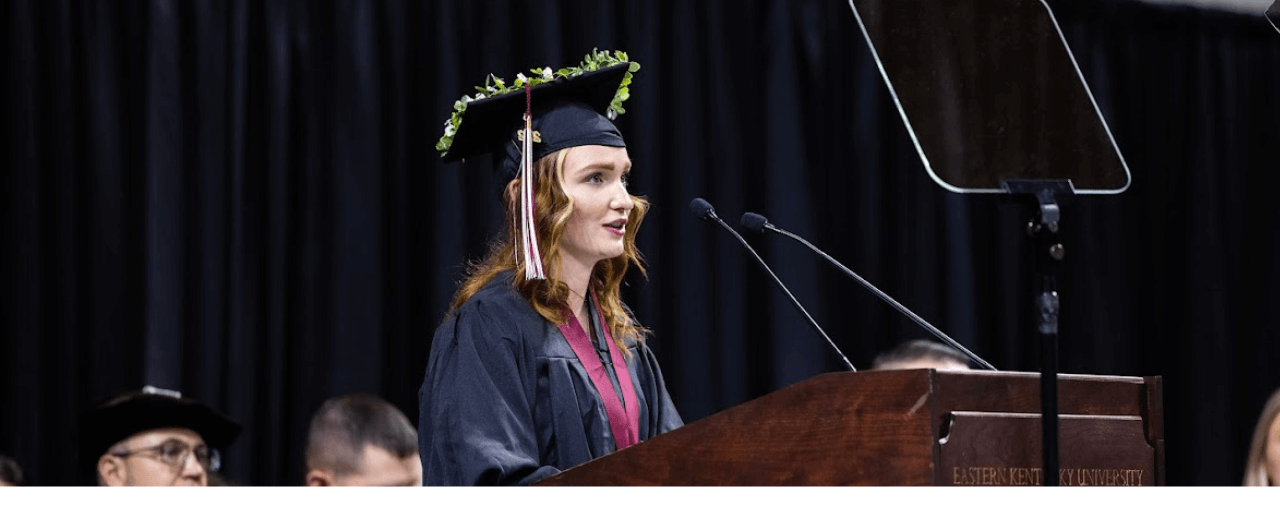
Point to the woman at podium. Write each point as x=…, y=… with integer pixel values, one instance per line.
x=539, y=366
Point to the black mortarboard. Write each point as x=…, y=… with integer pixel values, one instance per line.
x=148, y=409
x=568, y=108
x=567, y=112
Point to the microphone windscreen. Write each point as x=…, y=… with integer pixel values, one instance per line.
x=754, y=221
x=701, y=208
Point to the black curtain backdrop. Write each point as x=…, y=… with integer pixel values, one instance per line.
x=241, y=200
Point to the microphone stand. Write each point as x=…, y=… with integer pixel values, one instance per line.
x=703, y=210
x=883, y=296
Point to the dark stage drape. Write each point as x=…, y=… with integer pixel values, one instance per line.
x=241, y=200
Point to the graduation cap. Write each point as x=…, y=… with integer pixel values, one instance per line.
x=537, y=116
x=148, y=409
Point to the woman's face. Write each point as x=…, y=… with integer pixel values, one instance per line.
x=596, y=178
x=1273, y=452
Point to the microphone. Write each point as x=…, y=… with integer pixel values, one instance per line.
x=756, y=222
x=703, y=210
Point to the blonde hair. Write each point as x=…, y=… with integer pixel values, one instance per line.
x=549, y=297
x=1255, y=469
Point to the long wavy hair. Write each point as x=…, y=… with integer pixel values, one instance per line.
x=1255, y=470
x=550, y=297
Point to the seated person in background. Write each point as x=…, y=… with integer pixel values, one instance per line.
x=153, y=437
x=920, y=353
x=10, y=472
x=1263, y=466
x=360, y=439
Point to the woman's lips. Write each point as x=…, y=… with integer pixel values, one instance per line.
x=618, y=227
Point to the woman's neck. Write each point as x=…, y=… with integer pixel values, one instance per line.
x=577, y=277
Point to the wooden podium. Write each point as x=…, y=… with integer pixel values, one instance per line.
x=907, y=427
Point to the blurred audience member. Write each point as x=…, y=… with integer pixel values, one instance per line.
x=920, y=353
x=1263, y=467
x=10, y=473
x=360, y=439
x=153, y=437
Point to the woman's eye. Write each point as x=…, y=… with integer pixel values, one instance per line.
x=595, y=177
x=626, y=179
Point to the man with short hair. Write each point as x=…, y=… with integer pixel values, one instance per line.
x=153, y=437
x=360, y=439
x=10, y=473
x=921, y=353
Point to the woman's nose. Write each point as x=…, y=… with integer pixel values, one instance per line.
x=621, y=199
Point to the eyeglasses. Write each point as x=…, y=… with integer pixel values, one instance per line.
x=174, y=452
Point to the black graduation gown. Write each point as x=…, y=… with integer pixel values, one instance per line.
x=506, y=401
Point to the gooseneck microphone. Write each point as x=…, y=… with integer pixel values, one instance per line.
x=703, y=210
x=756, y=222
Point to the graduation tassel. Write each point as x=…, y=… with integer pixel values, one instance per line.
x=528, y=226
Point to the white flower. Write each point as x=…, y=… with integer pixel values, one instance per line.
x=547, y=74
x=480, y=96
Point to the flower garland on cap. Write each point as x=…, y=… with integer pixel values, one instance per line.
x=495, y=86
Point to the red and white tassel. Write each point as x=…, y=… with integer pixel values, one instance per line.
x=528, y=225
